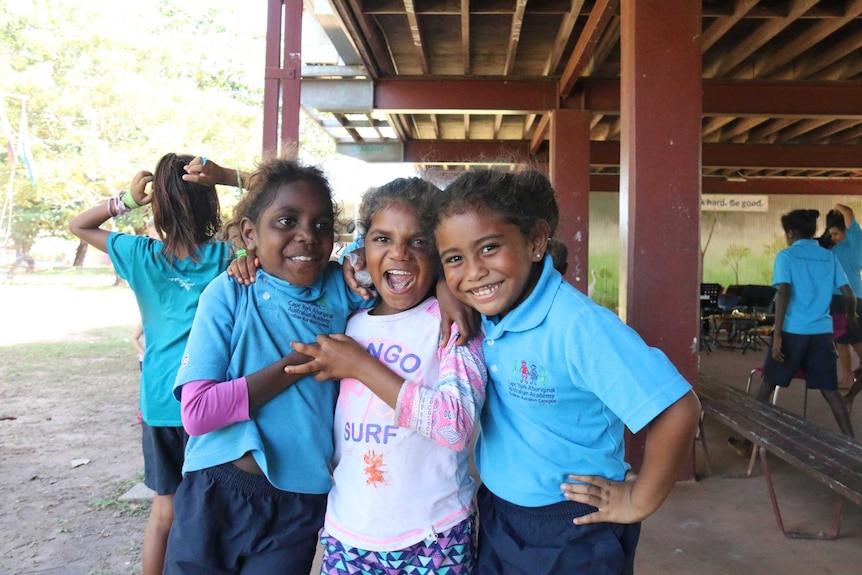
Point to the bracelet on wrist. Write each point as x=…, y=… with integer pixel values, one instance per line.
x=117, y=207
x=129, y=200
x=241, y=253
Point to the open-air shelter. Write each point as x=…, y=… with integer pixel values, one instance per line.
x=661, y=100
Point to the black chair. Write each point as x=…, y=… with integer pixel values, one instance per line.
x=757, y=302
x=709, y=294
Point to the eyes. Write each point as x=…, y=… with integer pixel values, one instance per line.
x=319, y=225
x=484, y=250
x=419, y=243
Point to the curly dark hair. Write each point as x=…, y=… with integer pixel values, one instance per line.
x=263, y=186
x=835, y=219
x=186, y=214
x=414, y=193
x=522, y=199
x=802, y=222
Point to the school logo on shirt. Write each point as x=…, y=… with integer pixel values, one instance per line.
x=317, y=314
x=530, y=383
x=184, y=283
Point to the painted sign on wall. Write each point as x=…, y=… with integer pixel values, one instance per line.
x=733, y=203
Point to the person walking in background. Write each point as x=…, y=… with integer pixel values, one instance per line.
x=402, y=495
x=167, y=278
x=806, y=275
x=566, y=376
x=846, y=237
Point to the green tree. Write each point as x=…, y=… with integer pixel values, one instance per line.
x=105, y=100
x=733, y=256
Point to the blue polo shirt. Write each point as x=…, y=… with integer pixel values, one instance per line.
x=242, y=329
x=849, y=255
x=814, y=274
x=565, y=378
x=167, y=296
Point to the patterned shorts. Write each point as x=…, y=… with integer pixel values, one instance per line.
x=452, y=553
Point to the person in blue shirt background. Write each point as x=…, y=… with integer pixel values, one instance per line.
x=806, y=275
x=167, y=276
x=846, y=235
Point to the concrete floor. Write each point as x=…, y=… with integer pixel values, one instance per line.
x=725, y=525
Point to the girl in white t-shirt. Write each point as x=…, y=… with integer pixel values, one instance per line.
x=406, y=410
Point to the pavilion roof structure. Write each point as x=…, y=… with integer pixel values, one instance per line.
x=455, y=83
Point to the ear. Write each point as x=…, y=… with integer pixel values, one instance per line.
x=539, y=239
x=248, y=233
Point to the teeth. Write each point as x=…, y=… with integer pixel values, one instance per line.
x=301, y=258
x=398, y=272
x=483, y=291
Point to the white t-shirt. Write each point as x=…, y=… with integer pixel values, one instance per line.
x=393, y=485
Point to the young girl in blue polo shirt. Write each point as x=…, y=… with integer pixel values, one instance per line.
x=565, y=377
x=167, y=275
x=256, y=470
x=806, y=276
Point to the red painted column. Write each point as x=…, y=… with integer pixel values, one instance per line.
x=282, y=78
x=660, y=179
x=570, y=174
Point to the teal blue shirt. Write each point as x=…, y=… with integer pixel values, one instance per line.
x=167, y=297
x=566, y=377
x=849, y=255
x=242, y=329
x=814, y=274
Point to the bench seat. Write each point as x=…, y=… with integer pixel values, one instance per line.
x=831, y=458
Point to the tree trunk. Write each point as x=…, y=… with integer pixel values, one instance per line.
x=80, y=254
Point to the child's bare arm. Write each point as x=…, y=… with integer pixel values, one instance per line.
x=338, y=356
x=88, y=224
x=668, y=447
x=205, y=172
x=265, y=384
x=454, y=311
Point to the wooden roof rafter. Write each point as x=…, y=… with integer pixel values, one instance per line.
x=416, y=33
x=514, y=36
x=725, y=64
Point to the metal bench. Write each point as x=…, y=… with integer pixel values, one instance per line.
x=831, y=458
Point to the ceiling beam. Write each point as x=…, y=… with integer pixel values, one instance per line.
x=766, y=186
x=600, y=17
x=752, y=156
x=720, y=98
x=500, y=95
x=736, y=156
x=456, y=95
x=514, y=36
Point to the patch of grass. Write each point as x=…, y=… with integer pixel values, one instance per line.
x=131, y=508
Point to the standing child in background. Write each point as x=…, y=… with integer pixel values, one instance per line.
x=167, y=279
x=566, y=376
x=846, y=235
x=256, y=472
x=402, y=495
x=806, y=275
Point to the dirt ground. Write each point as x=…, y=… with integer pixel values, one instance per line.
x=69, y=440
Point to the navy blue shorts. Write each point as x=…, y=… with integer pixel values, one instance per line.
x=229, y=521
x=852, y=335
x=515, y=540
x=814, y=355
x=164, y=450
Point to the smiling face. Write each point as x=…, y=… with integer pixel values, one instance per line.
x=294, y=235
x=489, y=262
x=399, y=258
